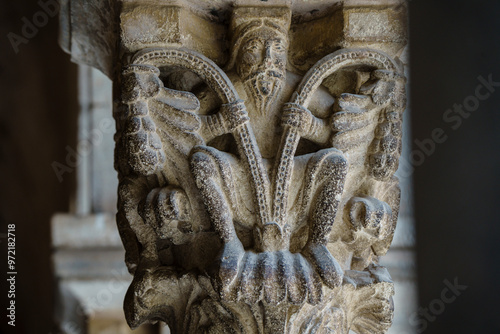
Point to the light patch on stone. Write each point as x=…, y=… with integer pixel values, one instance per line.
x=369, y=25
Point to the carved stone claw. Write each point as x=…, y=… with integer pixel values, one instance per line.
x=167, y=210
x=357, y=101
x=354, y=112
x=387, y=88
x=327, y=267
x=297, y=116
x=370, y=215
x=233, y=115
x=140, y=82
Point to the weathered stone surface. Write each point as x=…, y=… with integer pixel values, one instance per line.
x=90, y=30
x=256, y=148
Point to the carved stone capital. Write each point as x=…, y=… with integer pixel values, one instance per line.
x=256, y=148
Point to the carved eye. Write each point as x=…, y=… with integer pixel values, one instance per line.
x=278, y=46
x=253, y=46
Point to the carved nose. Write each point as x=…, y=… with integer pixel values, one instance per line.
x=267, y=57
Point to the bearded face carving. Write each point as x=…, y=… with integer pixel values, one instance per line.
x=262, y=65
x=263, y=53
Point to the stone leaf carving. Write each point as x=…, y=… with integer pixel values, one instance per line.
x=252, y=200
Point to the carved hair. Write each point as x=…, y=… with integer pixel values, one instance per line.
x=244, y=22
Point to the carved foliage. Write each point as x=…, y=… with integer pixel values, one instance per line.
x=223, y=240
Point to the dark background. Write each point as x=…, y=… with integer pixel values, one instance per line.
x=457, y=187
x=38, y=110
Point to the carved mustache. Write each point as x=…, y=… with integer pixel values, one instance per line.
x=259, y=74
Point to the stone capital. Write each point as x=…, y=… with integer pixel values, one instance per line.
x=256, y=148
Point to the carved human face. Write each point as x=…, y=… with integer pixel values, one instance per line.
x=263, y=52
x=262, y=66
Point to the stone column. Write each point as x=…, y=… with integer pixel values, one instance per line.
x=256, y=148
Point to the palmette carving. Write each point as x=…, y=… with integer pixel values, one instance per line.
x=250, y=202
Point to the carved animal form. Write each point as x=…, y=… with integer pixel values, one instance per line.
x=229, y=232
